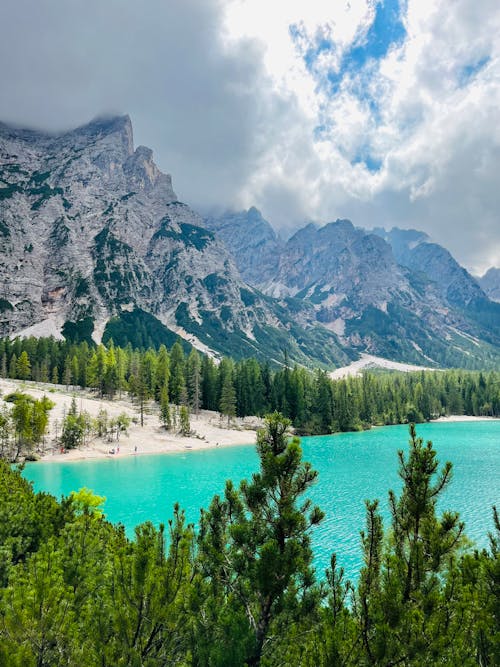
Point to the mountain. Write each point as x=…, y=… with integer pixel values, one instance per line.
x=416, y=251
x=431, y=262
x=94, y=242
x=490, y=284
x=394, y=294
x=252, y=241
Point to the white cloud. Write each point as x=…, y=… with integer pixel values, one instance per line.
x=221, y=92
x=437, y=140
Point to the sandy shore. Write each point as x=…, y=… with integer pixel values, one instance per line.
x=207, y=429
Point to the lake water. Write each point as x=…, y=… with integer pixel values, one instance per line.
x=352, y=467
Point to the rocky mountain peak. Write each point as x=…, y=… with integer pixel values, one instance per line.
x=94, y=241
x=92, y=236
x=416, y=251
x=118, y=128
x=251, y=240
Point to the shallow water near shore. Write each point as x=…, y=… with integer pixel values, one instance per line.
x=352, y=467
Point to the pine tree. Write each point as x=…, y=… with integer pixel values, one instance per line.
x=209, y=384
x=406, y=594
x=227, y=404
x=165, y=417
x=177, y=382
x=3, y=366
x=194, y=380
x=13, y=366
x=254, y=551
x=121, y=363
x=97, y=369
x=184, y=424
x=23, y=366
x=67, y=372
x=162, y=370
x=140, y=386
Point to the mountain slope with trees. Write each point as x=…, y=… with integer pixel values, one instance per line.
x=393, y=294
x=96, y=245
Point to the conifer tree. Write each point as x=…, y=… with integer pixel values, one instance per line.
x=193, y=373
x=67, y=372
x=162, y=370
x=177, y=383
x=254, y=549
x=141, y=387
x=184, y=424
x=13, y=366
x=121, y=364
x=23, y=366
x=209, y=384
x=165, y=416
x=227, y=404
x=404, y=596
x=110, y=384
x=75, y=370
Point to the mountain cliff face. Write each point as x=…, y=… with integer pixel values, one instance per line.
x=252, y=242
x=432, y=264
x=490, y=283
x=415, y=251
x=94, y=241
x=90, y=230
x=394, y=293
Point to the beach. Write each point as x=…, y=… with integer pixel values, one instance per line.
x=208, y=430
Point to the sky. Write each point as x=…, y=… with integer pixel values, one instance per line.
x=386, y=112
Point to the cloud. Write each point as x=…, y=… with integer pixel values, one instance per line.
x=381, y=111
x=404, y=124
x=194, y=99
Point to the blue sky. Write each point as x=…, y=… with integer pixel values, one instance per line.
x=357, y=65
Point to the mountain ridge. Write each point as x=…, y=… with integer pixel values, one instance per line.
x=91, y=231
x=91, y=228
x=392, y=293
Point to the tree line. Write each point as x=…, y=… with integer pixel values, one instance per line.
x=314, y=402
x=241, y=590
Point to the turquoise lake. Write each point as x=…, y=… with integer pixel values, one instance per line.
x=352, y=467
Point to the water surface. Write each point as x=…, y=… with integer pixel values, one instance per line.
x=352, y=467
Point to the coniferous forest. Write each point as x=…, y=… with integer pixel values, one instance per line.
x=241, y=589
x=313, y=402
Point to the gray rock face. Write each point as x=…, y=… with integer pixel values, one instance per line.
x=339, y=260
x=251, y=241
x=90, y=227
x=430, y=260
x=389, y=293
x=490, y=283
